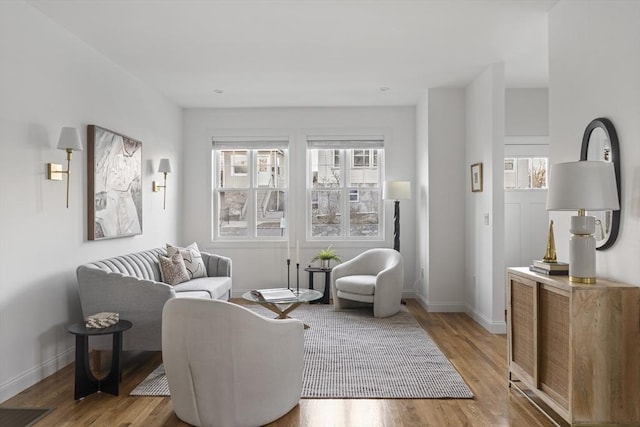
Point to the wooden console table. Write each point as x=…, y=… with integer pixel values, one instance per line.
x=575, y=348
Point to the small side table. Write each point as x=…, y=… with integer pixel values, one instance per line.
x=86, y=383
x=327, y=282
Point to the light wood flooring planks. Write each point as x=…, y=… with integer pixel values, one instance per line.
x=479, y=356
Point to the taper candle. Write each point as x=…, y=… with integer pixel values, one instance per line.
x=298, y=251
x=288, y=251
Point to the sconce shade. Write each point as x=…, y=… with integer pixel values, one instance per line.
x=69, y=139
x=588, y=185
x=396, y=190
x=164, y=166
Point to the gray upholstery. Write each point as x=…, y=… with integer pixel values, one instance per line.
x=131, y=286
x=228, y=366
x=375, y=277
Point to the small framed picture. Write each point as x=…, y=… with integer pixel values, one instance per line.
x=476, y=177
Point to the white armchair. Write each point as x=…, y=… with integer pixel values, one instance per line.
x=376, y=277
x=228, y=366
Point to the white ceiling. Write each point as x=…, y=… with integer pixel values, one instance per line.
x=266, y=53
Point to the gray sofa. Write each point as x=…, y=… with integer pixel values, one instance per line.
x=131, y=286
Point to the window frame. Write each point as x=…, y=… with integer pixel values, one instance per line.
x=345, y=187
x=253, y=188
x=516, y=161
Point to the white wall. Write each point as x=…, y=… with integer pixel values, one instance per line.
x=443, y=180
x=262, y=264
x=527, y=112
x=50, y=79
x=485, y=276
x=421, y=193
x=594, y=71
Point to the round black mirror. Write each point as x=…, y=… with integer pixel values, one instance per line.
x=600, y=142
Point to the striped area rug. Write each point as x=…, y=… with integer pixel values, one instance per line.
x=350, y=354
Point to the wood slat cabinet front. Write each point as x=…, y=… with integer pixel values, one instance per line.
x=576, y=347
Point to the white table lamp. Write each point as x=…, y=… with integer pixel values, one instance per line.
x=582, y=186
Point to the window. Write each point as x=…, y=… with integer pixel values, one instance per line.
x=364, y=158
x=344, y=197
x=250, y=188
x=525, y=173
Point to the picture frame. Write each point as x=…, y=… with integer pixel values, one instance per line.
x=476, y=177
x=114, y=188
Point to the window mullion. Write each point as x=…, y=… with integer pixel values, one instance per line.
x=346, y=181
x=252, y=212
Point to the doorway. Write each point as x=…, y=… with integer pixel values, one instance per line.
x=526, y=217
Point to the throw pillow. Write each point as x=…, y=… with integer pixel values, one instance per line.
x=192, y=259
x=173, y=269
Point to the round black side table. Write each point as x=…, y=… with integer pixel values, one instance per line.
x=327, y=282
x=86, y=383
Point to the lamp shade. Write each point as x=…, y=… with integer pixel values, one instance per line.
x=164, y=166
x=396, y=190
x=69, y=139
x=588, y=185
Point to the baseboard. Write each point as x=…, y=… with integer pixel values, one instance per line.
x=454, y=307
x=408, y=293
x=442, y=307
x=499, y=327
x=17, y=384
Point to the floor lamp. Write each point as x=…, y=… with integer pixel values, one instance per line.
x=396, y=191
x=582, y=186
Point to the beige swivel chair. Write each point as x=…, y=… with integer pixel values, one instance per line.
x=375, y=277
x=228, y=366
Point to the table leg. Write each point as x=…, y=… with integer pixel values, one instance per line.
x=327, y=286
x=111, y=383
x=85, y=382
x=282, y=314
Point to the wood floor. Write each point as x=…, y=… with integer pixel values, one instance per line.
x=480, y=358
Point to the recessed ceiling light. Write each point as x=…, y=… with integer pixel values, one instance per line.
x=218, y=91
x=384, y=88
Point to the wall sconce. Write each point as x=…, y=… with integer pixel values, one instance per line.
x=582, y=186
x=165, y=168
x=70, y=141
x=396, y=190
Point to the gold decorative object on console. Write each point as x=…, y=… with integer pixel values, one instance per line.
x=550, y=252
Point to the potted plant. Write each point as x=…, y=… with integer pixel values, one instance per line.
x=325, y=256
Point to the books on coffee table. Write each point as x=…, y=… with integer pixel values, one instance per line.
x=275, y=294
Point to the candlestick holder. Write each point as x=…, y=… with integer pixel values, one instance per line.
x=288, y=273
x=297, y=278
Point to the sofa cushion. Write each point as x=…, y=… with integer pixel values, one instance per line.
x=192, y=259
x=357, y=284
x=216, y=287
x=173, y=269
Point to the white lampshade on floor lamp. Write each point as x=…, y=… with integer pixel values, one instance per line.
x=582, y=186
x=396, y=190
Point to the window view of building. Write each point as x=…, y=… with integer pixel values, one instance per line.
x=251, y=192
x=525, y=173
x=345, y=192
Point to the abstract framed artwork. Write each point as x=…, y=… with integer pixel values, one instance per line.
x=476, y=177
x=114, y=184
